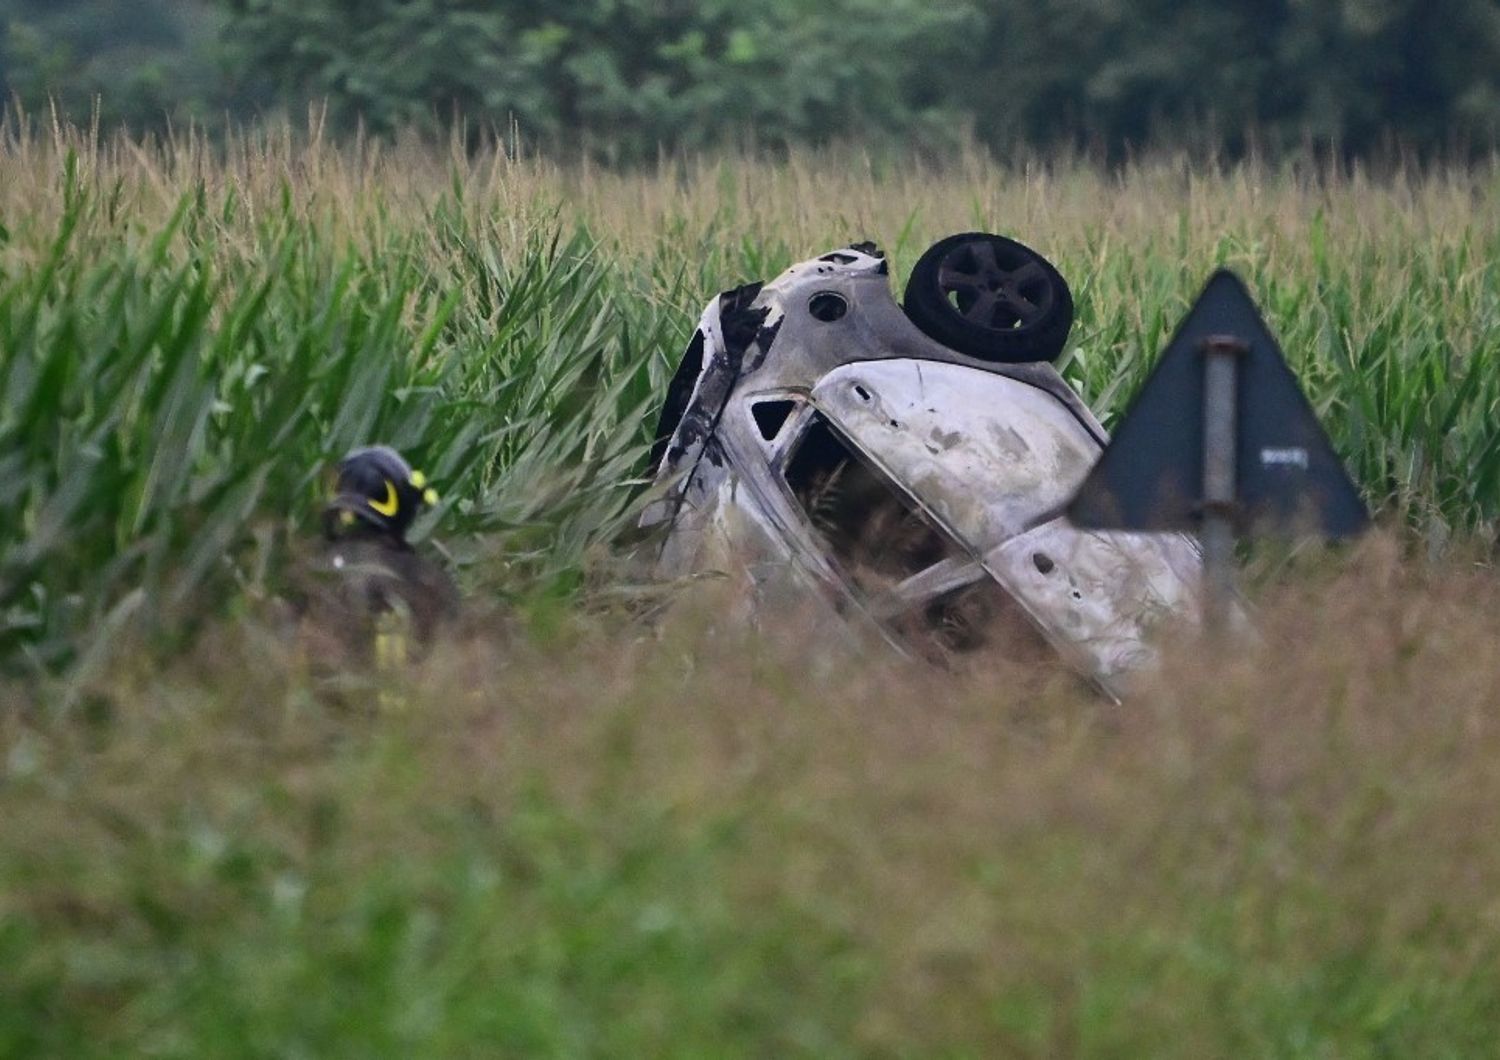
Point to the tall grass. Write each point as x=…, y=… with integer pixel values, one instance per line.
x=189, y=333
x=616, y=844
x=174, y=390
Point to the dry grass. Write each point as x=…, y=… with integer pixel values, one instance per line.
x=687, y=839
x=1159, y=207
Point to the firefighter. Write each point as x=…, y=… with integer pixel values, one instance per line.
x=380, y=600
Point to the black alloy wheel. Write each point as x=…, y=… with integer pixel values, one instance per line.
x=991, y=298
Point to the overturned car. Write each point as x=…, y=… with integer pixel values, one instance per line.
x=909, y=467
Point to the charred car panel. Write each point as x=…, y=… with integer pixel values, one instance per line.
x=816, y=437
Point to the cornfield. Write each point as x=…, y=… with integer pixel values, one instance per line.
x=190, y=335
x=569, y=832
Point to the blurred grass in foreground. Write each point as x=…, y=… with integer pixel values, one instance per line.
x=684, y=842
x=187, y=335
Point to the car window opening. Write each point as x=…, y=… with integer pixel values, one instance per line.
x=871, y=529
x=881, y=540
x=771, y=416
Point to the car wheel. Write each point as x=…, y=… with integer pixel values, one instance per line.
x=991, y=298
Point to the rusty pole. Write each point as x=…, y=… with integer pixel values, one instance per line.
x=1222, y=355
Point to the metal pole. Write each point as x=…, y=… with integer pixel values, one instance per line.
x=1220, y=444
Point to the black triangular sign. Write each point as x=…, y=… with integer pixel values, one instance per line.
x=1289, y=480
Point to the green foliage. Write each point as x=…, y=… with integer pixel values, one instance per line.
x=137, y=62
x=610, y=843
x=623, y=79
x=171, y=397
x=625, y=76
x=628, y=76
x=186, y=343
x=1346, y=75
x=698, y=844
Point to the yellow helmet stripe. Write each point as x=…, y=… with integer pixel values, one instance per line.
x=388, y=508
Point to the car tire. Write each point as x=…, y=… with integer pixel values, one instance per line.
x=991, y=298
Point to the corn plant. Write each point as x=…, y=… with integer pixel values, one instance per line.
x=190, y=334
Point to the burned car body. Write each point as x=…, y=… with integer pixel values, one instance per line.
x=820, y=438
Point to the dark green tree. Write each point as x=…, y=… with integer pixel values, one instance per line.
x=1137, y=72
x=140, y=62
x=1426, y=72
x=633, y=74
x=620, y=78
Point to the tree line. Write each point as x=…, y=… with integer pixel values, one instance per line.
x=627, y=78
